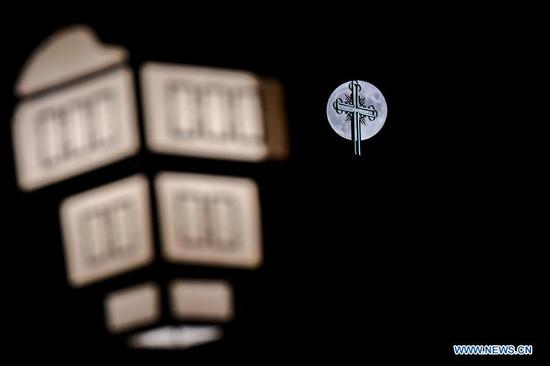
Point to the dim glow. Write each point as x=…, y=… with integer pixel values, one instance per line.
x=175, y=337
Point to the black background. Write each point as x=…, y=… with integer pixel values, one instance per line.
x=434, y=237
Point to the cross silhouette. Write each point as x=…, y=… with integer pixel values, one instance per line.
x=355, y=108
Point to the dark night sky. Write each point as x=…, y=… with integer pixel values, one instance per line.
x=443, y=245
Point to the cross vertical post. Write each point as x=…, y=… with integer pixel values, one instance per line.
x=356, y=120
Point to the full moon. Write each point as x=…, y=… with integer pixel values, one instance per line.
x=372, y=97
